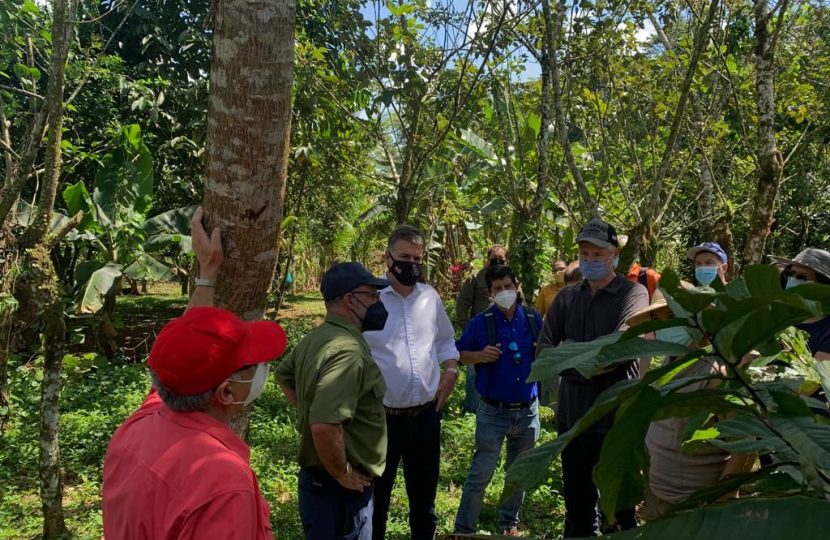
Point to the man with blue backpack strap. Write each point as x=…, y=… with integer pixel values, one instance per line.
x=500, y=343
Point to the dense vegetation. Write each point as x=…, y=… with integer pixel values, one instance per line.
x=480, y=122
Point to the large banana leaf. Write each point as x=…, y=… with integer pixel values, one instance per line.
x=168, y=228
x=95, y=281
x=124, y=183
x=146, y=267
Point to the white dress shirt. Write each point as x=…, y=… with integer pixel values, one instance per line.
x=417, y=338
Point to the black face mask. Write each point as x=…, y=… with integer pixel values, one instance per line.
x=498, y=261
x=375, y=318
x=406, y=272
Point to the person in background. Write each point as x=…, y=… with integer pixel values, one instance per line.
x=547, y=293
x=417, y=340
x=645, y=276
x=598, y=306
x=175, y=468
x=500, y=344
x=811, y=266
x=472, y=300
x=571, y=275
x=338, y=389
x=710, y=261
x=675, y=475
x=549, y=389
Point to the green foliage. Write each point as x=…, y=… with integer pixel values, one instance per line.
x=761, y=416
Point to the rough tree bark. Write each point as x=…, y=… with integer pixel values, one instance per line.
x=249, y=127
x=770, y=162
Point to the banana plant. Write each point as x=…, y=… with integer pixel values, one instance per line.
x=114, y=221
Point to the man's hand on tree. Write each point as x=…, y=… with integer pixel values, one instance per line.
x=208, y=250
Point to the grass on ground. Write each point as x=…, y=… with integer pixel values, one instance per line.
x=98, y=395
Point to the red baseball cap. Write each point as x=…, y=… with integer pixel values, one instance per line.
x=205, y=346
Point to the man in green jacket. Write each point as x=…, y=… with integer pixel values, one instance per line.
x=472, y=300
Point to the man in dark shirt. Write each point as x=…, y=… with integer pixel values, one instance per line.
x=499, y=344
x=595, y=307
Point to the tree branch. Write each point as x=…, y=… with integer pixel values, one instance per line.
x=20, y=91
x=55, y=238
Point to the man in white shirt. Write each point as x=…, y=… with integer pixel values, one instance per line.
x=416, y=342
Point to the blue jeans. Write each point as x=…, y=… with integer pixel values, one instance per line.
x=471, y=394
x=492, y=426
x=328, y=511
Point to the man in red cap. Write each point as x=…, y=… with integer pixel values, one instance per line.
x=175, y=469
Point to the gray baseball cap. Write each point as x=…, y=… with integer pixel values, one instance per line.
x=817, y=260
x=599, y=233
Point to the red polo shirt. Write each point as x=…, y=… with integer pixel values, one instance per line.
x=171, y=475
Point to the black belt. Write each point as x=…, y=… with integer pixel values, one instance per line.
x=409, y=411
x=509, y=406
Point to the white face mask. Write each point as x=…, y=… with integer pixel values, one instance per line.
x=505, y=299
x=257, y=384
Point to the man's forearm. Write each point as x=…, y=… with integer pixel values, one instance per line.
x=202, y=297
x=470, y=357
x=328, y=440
x=451, y=363
x=291, y=394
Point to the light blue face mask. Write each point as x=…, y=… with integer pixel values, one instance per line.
x=679, y=335
x=594, y=270
x=793, y=282
x=616, y=262
x=705, y=275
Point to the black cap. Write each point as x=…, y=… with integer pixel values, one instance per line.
x=598, y=233
x=346, y=277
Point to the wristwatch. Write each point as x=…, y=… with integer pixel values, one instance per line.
x=202, y=282
x=452, y=370
x=345, y=474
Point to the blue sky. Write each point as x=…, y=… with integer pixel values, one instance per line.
x=532, y=68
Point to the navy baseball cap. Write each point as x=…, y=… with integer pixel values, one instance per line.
x=598, y=233
x=346, y=277
x=711, y=247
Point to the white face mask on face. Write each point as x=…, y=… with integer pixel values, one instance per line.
x=257, y=384
x=505, y=299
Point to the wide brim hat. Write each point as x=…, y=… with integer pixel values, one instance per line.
x=817, y=260
x=656, y=310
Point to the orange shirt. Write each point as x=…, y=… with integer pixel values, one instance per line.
x=652, y=278
x=174, y=476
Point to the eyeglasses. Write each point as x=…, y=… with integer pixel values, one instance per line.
x=514, y=348
x=374, y=294
x=799, y=276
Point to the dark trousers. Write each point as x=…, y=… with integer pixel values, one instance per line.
x=417, y=441
x=329, y=511
x=582, y=517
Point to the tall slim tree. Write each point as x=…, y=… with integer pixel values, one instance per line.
x=38, y=286
x=770, y=162
x=249, y=128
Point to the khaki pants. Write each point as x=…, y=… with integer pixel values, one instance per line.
x=653, y=507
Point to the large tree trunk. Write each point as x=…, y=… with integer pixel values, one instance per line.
x=770, y=162
x=249, y=127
